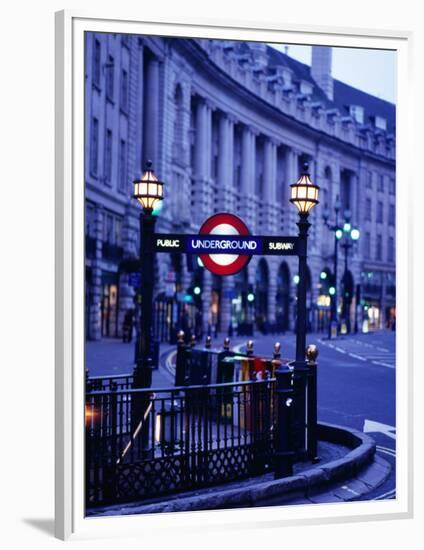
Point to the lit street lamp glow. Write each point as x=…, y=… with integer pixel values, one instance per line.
x=355, y=234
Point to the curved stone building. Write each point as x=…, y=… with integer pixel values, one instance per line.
x=228, y=126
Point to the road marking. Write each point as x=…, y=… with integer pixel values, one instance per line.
x=357, y=356
x=387, y=495
x=168, y=362
x=237, y=349
x=379, y=427
x=340, y=350
x=382, y=364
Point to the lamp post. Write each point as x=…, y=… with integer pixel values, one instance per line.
x=338, y=233
x=350, y=236
x=304, y=195
x=148, y=191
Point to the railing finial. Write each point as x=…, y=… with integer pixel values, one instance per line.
x=311, y=353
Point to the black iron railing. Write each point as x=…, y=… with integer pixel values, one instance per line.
x=145, y=443
x=107, y=383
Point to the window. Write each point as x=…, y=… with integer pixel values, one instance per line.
x=110, y=67
x=108, y=228
x=368, y=208
x=379, y=251
x=369, y=180
x=122, y=165
x=379, y=212
x=392, y=214
x=96, y=62
x=94, y=146
x=357, y=113
x=391, y=250
x=118, y=232
x=367, y=245
x=124, y=90
x=112, y=229
x=90, y=222
x=380, y=123
x=108, y=157
x=392, y=186
x=380, y=186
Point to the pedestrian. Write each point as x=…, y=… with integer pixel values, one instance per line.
x=128, y=324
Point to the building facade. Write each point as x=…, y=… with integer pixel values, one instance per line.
x=228, y=126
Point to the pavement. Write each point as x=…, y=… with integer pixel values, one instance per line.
x=356, y=390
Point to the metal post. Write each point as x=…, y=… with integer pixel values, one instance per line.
x=284, y=433
x=334, y=314
x=144, y=362
x=311, y=355
x=300, y=367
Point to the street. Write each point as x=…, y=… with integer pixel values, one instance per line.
x=356, y=387
x=356, y=381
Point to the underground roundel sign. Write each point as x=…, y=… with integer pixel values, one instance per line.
x=224, y=224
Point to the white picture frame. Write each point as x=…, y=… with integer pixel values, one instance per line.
x=69, y=512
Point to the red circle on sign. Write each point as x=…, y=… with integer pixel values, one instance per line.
x=240, y=228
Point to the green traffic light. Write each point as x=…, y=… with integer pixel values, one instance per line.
x=332, y=290
x=250, y=297
x=339, y=234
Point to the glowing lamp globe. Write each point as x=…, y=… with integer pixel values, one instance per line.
x=148, y=190
x=304, y=193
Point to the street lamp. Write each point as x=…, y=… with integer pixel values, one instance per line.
x=338, y=234
x=148, y=191
x=350, y=236
x=304, y=195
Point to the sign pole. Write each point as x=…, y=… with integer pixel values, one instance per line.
x=143, y=369
x=300, y=365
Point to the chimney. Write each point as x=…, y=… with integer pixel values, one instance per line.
x=321, y=69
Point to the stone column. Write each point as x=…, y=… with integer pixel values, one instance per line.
x=202, y=160
x=226, y=163
x=227, y=286
x=95, y=312
x=247, y=176
x=206, y=300
x=354, y=197
x=130, y=228
x=151, y=125
x=292, y=171
x=272, y=293
x=270, y=185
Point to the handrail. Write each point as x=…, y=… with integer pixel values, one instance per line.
x=174, y=389
x=137, y=430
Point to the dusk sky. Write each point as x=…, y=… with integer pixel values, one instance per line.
x=373, y=71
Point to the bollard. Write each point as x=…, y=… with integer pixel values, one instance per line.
x=311, y=356
x=181, y=374
x=193, y=340
x=277, y=350
x=208, y=342
x=227, y=344
x=284, y=427
x=249, y=348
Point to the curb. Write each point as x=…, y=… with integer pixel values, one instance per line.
x=360, y=463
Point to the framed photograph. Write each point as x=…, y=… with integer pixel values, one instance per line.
x=232, y=274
